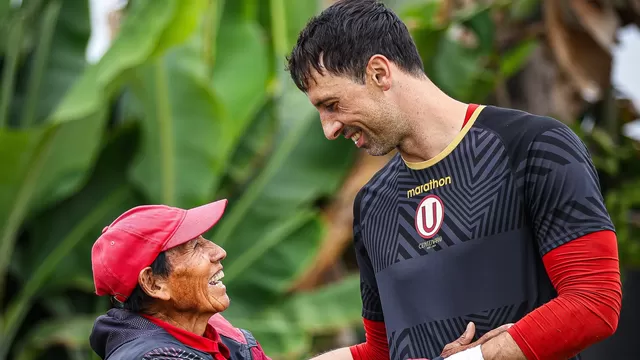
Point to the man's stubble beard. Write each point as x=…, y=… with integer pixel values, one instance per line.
x=379, y=149
x=390, y=137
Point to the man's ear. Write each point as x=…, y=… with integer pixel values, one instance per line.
x=153, y=285
x=378, y=72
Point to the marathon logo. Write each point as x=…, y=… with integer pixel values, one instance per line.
x=432, y=184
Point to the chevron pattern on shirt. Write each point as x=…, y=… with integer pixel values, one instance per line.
x=481, y=200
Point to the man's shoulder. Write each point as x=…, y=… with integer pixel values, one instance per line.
x=381, y=179
x=514, y=123
x=382, y=175
x=519, y=130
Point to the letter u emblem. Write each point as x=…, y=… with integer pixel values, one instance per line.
x=429, y=216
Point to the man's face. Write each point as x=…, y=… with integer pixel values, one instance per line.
x=195, y=279
x=360, y=112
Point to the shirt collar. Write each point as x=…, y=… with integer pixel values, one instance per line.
x=210, y=343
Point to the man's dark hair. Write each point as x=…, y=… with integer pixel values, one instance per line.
x=346, y=35
x=139, y=301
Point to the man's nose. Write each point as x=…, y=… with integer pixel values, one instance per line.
x=332, y=129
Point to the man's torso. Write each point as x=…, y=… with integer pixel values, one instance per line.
x=451, y=241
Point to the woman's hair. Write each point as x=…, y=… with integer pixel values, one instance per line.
x=139, y=301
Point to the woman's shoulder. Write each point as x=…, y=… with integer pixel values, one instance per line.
x=226, y=329
x=248, y=346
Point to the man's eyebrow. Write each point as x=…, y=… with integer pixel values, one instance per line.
x=322, y=100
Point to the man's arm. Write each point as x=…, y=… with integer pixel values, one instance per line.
x=501, y=347
x=575, y=238
x=463, y=341
x=339, y=354
x=375, y=346
x=586, y=274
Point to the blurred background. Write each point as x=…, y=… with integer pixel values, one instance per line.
x=105, y=105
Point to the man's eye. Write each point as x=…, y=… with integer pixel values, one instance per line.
x=332, y=106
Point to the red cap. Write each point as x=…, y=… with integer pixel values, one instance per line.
x=136, y=238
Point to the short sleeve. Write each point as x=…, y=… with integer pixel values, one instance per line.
x=371, y=306
x=562, y=190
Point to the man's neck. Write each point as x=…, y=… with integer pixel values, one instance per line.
x=434, y=118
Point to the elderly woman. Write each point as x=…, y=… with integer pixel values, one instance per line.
x=166, y=281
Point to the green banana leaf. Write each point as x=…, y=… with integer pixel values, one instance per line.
x=272, y=231
x=286, y=329
x=184, y=20
x=180, y=156
x=20, y=181
x=29, y=157
x=463, y=71
x=303, y=168
x=74, y=224
x=468, y=72
x=139, y=39
x=192, y=124
x=58, y=255
x=513, y=60
x=58, y=60
x=240, y=76
x=341, y=299
x=427, y=28
x=251, y=152
x=69, y=332
x=88, y=98
x=46, y=163
x=245, y=80
x=298, y=13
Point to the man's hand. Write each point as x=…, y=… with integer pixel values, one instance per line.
x=464, y=341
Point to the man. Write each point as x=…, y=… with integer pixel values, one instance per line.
x=485, y=214
x=166, y=282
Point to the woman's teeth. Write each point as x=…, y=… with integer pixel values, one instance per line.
x=216, y=279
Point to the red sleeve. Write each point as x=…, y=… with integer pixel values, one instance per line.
x=376, y=346
x=586, y=275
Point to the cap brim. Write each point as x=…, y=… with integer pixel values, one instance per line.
x=196, y=222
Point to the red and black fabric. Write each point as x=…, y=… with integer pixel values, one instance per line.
x=586, y=274
x=122, y=335
x=513, y=189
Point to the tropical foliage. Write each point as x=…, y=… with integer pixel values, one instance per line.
x=175, y=117
x=190, y=104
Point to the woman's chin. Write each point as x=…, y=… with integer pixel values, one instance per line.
x=221, y=302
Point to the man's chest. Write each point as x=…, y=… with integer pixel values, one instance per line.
x=441, y=238
x=440, y=209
